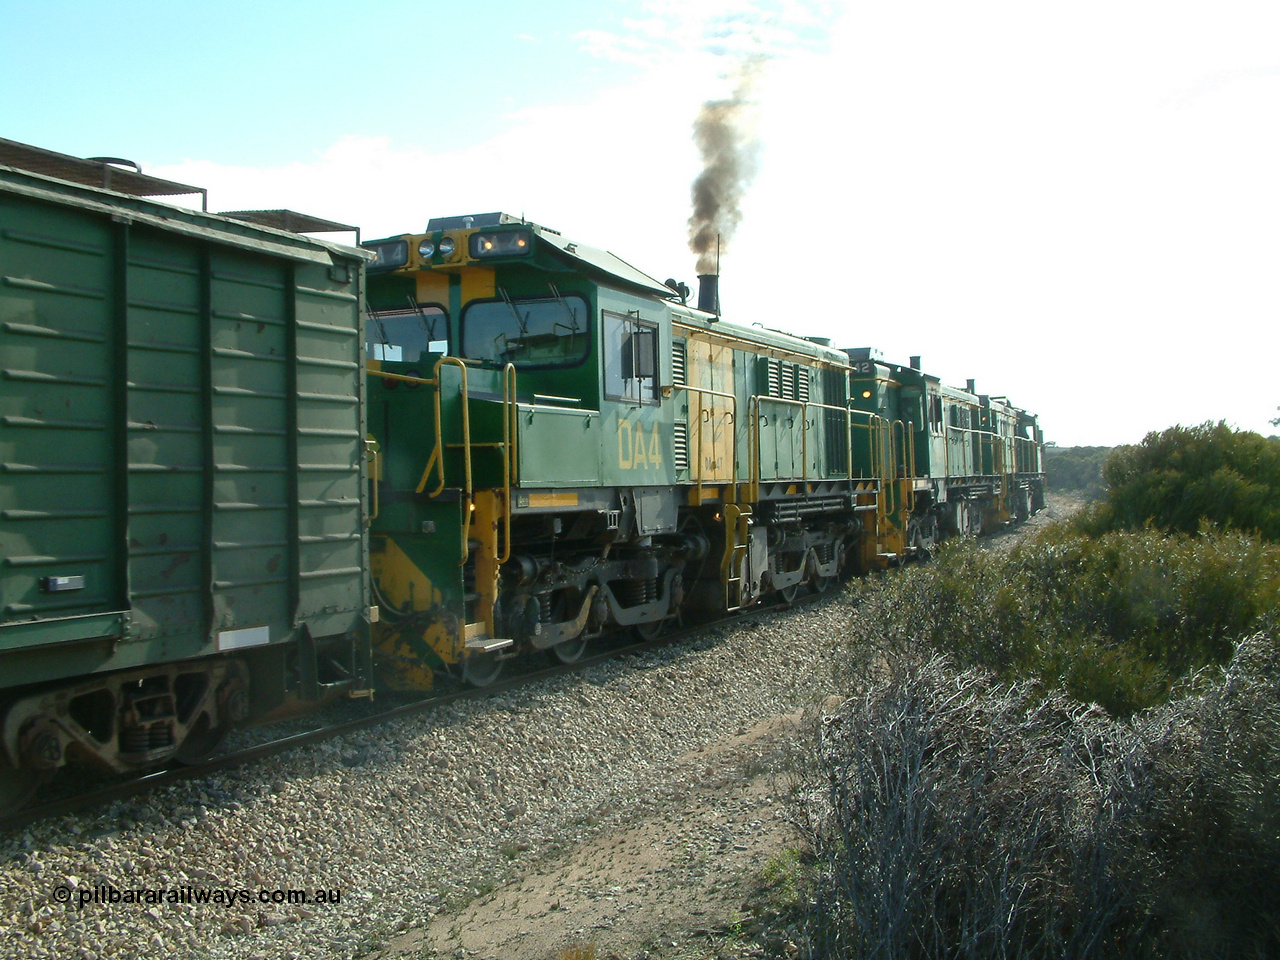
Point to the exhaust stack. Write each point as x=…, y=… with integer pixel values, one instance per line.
x=709, y=292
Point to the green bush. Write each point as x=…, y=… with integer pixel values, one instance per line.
x=1076, y=469
x=1114, y=620
x=1186, y=476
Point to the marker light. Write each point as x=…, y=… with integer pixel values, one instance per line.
x=501, y=243
x=866, y=394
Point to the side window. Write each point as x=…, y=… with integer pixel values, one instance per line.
x=404, y=335
x=935, y=413
x=630, y=359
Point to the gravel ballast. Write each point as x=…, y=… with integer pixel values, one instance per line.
x=403, y=822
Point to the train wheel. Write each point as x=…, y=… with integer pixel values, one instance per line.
x=481, y=669
x=788, y=594
x=821, y=584
x=201, y=743
x=650, y=629
x=570, y=651
x=16, y=786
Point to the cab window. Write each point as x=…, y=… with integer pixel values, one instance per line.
x=550, y=332
x=404, y=335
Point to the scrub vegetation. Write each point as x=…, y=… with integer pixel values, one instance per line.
x=1187, y=477
x=1076, y=470
x=1071, y=749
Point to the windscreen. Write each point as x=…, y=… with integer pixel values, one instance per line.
x=404, y=335
x=551, y=332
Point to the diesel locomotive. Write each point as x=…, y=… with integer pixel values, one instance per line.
x=244, y=471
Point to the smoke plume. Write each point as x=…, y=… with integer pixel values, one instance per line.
x=723, y=133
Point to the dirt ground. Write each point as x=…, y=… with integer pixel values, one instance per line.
x=670, y=881
x=1057, y=506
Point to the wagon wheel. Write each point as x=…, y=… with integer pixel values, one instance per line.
x=570, y=651
x=202, y=742
x=649, y=630
x=480, y=669
x=16, y=785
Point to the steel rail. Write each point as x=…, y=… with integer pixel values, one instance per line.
x=125, y=789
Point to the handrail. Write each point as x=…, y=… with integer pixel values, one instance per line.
x=400, y=376
x=371, y=450
x=908, y=443
x=876, y=451
x=732, y=414
x=437, y=455
x=804, y=428
x=509, y=431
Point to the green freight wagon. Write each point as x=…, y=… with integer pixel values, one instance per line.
x=182, y=471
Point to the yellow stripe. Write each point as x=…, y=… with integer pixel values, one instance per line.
x=553, y=500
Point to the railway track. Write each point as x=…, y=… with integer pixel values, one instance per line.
x=117, y=790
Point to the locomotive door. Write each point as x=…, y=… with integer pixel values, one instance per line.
x=711, y=426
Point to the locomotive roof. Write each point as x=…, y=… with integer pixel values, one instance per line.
x=605, y=261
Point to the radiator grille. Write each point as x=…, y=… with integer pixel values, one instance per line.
x=774, y=386
x=680, y=444
x=679, y=376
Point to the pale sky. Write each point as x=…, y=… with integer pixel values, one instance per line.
x=1076, y=204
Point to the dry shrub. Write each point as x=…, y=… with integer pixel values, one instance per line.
x=957, y=816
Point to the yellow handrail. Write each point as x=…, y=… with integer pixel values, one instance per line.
x=733, y=419
x=804, y=406
x=509, y=428
x=437, y=455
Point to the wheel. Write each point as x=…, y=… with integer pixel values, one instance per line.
x=17, y=786
x=788, y=594
x=821, y=584
x=201, y=743
x=569, y=651
x=649, y=630
x=480, y=669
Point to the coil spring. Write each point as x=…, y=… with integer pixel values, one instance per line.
x=544, y=607
x=633, y=593
x=135, y=740
x=145, y=737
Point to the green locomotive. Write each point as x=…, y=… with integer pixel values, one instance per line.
x=566, y=446
x=243, y=471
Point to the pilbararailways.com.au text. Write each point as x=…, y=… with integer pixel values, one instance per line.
x=189, y=895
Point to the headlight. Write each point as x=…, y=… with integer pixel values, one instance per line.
x=505, y=243
x=447, y=247
x=426, y=249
